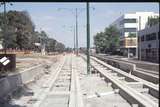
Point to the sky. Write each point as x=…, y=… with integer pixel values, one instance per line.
x=58, y=19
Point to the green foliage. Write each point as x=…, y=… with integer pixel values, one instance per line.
x=51, y=45
x=107, y=41
x=100, y=42
x=21, y=33
x=19, y=30
x=68, y=49
x=153, y=21
x=59, y=47
x=132, y=35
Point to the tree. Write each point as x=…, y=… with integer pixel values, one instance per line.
x=68, y=49
x=99, y=41
x=107, y=41
x=112, y=38
x=59, y=47
x=21, y=33
x=19, y=30
x=153, y=21
x=132, y=35
x=51, y=45
x=43, y=37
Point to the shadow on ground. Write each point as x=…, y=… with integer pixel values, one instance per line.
x=22, y=91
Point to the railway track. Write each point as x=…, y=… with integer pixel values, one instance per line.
x=68, y=85
x=151, y=76
x=62, y=88
x=138, y=92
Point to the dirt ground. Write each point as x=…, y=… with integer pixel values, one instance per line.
x=26, y=61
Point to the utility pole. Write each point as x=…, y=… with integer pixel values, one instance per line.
x=76, y=33
x=74, y=39
x=75, y=12
x=138, y=48
x=88, y=40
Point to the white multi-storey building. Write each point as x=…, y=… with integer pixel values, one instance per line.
x=128, y=25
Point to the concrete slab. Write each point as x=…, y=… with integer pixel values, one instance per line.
x=55, y=101
x=112, y=100
x=96, y=92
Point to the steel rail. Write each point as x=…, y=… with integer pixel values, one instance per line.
x=75, y=96
x=134, y=97
x=146, y=73
x=41, y=97
x=149, y=84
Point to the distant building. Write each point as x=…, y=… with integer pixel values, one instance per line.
x=148, y=44
x=128, y=25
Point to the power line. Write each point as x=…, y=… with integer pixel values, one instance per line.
x=76, y=12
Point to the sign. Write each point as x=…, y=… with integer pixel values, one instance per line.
x=4, y=61
x=7, y=62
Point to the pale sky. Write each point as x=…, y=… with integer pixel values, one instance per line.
x=57, y=23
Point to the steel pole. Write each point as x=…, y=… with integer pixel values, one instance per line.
x=139, y=40
x=88, y=40
x=74, y=38
x=76, y=33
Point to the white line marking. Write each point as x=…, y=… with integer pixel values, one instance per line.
x=3, y=59
x=6, y=62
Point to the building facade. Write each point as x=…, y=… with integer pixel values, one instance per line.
x=128, y=25
x=148, y=44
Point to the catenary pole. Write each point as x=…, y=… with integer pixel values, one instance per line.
x=88, y=40
x=76, y=32
x=74, y=39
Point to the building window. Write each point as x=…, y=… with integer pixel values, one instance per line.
x=121, y=33
x=139, y=39
x=131, y=42
x=151, y=37
x=142, y=38
x=154, y=52
x=130, y=20
x=143, y=54
x=121, y=43
x=154, y=55
x=130, y=29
